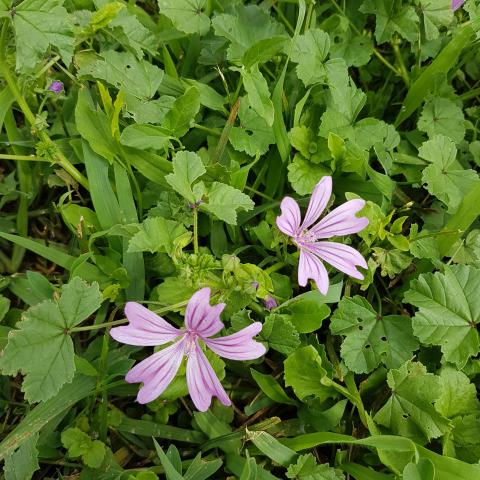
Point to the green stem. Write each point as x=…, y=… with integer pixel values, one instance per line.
x=402, y=69
x=260, y=194
x=22, y=158
x=195, y=230
x=353, y=390
x=57, y=155
x=211, y=131
x=275, y=267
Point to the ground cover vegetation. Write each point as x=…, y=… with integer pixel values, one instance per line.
x=239, y=239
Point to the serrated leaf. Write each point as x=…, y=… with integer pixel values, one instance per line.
x=371, y=339
x=186, y=15
x=306, y=468
x=122, y=70
x=179, y=118
x=247, y=26
x=409, y=411
x=435, y=14
x=187, y=167
x=449, y=311
x=441, y=116
x=258, y=93
x=224, y=201
x=42, y=348
x=280, y=333
x=392, y=17
x=309, y=51
x=303, y=175
x=158, y=234
x=79, y=444
x=40, y=24
x=254, y=135
x=458, y=395
x=304, y=372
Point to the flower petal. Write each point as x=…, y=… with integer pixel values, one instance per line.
x=202, y=381
x=289, y=221
x=201, y=317
x=318, y=201
x=342, y=257
x=156, y=372
x=144, y=328
x=456, y=4
x=341, y=221
x=310, y=266
x=240, y=345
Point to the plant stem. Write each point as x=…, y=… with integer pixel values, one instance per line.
x=195, y=230
x=275, y=267
x=22, y=158
x=211, y=131
x=402, y=69
x=57, y=155
x=353, y=390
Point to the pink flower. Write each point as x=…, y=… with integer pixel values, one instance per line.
x=456, y=4
x=202, y=321
x=341, y=221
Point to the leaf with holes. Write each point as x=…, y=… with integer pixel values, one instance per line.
x=371, y=339
x=42, y=348
x=409, y=411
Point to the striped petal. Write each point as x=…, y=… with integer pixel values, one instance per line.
x=202, y=381
x=310, y=266
x=289, y=221
x=144, y=328
x=201, y=317
x=318, y=201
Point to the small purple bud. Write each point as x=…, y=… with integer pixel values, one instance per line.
x=270, y=303
x=456, y=4
x=56, y=87
x=255, y=285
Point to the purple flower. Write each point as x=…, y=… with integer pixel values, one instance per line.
x=202, y=321
x=456, y=4
x=56, y=87
x=270, y=302
x=341, y=221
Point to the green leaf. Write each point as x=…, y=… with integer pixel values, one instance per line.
x=79, y=444
x=24, y=462
x=448, y=311
x=179, y=118
x=187, y=167
x=307, y=468
x=144, y=136
x=224, y=201
x=371, y=339
x=280, y=334
x=40, y=24
x=122, y=70
x=42, y=348
x=458, y=396
x=158, y=234
x=258, y=93
x=435, y=14
x=271, y=388
x=271, y=447
x=423, y=470
x=170, y=471
x=309, y=51
x=392, y=17
x=444, y=117
x=246, y=27
x=254, y=136
x=186, y=15
x=409, y=411
x=304, y=372
x=304, y=175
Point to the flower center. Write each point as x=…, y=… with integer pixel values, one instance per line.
x=190, y=343
x=303, y=238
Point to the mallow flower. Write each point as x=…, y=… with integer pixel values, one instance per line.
x=456, y=4
x=307, y=233
x=202, y=322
